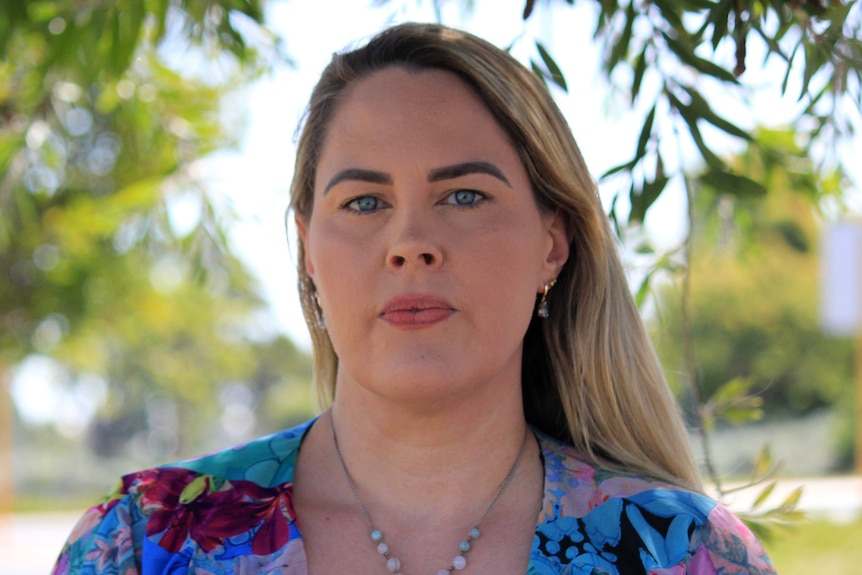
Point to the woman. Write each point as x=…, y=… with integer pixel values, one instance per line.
x=495, y=403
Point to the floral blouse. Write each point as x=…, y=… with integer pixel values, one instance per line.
x=232, y=513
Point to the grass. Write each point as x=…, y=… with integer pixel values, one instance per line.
x=817, y=546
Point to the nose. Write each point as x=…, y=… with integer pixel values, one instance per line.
x=415, y=243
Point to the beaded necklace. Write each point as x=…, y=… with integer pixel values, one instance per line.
x=393, y=564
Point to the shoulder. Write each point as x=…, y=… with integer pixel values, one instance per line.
x=234, y=502
x=627, y=523
x=267, y=461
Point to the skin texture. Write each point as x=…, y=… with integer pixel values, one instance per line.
x=484, y=260
x=427, y=250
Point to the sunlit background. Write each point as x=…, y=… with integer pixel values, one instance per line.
x=150, y=318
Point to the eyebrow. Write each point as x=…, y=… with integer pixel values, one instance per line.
x=359, y=175
x=465, y=169
x=436, y=175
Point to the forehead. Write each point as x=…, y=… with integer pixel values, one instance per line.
x=423, y=87
x=399, y=108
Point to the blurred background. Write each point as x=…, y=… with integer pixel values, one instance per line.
x=148, y=309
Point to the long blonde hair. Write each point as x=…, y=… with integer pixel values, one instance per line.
x=590, y=376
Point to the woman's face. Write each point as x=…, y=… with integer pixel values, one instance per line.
x=425, y=243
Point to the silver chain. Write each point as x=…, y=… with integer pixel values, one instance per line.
x=393, y=564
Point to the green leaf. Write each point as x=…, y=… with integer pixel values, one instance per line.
x=642, y=199
x=815, y=58
x=161, y=15
x=732, y=390
x=609, y=10
x=763, y=495
x=644, y=288
x=556, y=75
x=684, y=50
x=619, y=168
x=639, y=69
x=621, y=46
x=724, y=181
x=792, y=500
x=747, y=410
x=718, y=17
x=732, y=402
x=690, y=118
x=126, y=31
x=772, y=44
x=612, y=214
x=646, y=132
x=668, y=9
x=763, y=464
x=793, y=235
x=701, y=107
x=789, y=68
x=537, y=70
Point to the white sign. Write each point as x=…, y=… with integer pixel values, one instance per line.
x=841, y=280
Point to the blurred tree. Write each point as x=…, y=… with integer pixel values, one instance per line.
x=680, y=63
x=113, y=254
x=754, y=287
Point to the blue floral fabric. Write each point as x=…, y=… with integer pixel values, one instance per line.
x=232, y=513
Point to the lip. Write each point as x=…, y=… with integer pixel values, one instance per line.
x=416, y=311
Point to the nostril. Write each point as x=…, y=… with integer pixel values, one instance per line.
x=398, y=261
x=428, y=258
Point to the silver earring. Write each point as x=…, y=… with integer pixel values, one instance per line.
x=543, y=311
x=320, y=319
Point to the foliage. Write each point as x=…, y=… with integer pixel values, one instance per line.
x=672, y=55
x=754, y=293
x=667, y=58
x=112, y=250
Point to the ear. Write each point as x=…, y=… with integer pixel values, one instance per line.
x=557, y=247
x=302, y=230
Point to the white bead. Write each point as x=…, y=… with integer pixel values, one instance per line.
x=376, y=535
x=383, y=548
x=443, y=572
x=474, y=533
x=393, y=564
x=459, y=562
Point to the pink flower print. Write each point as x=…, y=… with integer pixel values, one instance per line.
x=701, y=563
x=675, y=570
x=273, y=509
x=597, y=498
x=160, y=488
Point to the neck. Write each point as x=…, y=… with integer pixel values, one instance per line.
x=440, y=457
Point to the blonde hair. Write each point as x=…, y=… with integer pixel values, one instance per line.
x=590, y=376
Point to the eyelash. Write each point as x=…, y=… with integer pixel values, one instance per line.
x=479, y=197
x=347, y=206
x=352, y=204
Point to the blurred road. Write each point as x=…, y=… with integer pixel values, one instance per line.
x=29, y=543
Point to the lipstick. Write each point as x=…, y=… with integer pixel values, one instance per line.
x=416, y=311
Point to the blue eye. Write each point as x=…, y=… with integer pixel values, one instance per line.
x=363, y=204
x=465, y=198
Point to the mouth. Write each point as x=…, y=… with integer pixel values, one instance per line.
x=416, y=311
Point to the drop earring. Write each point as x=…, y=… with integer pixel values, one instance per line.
x=319, y=311
x=543, y=310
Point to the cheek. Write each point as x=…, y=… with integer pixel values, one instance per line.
x=506, y=270
x=343, y=269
